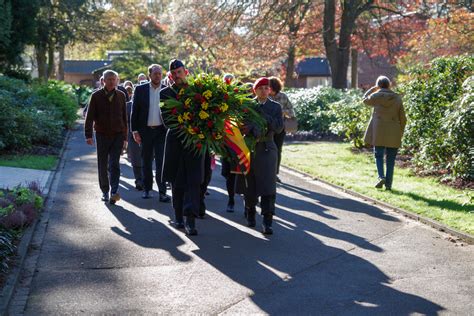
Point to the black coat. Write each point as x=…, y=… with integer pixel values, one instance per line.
x=181, y=166
x=263, y=162
x=140, y=108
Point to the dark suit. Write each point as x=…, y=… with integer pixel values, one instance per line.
x=153, y=139
x=184, y=169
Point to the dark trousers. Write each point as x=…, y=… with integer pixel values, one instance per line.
x=267, y=203
x=153, y=143
x=230, y=185
x=207, y=180
x=108, y=161
x=391, y=154
x=278, y=139
x=186, y=201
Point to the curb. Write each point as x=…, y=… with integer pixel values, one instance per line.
x=14, y=276
x=427, y=221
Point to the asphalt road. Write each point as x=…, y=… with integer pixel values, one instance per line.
x=330, y=254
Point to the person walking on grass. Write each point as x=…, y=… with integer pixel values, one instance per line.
x=386, y=127
x=107, y=115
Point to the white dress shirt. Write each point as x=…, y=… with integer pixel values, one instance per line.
x=154, y=111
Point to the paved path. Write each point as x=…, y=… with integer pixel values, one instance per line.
x=331, y=254
x=11, y=177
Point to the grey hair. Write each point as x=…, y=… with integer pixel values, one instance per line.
x=109, y=73
x=383, y=82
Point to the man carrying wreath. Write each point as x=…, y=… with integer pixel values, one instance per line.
x=261, y=179
x=181, y=166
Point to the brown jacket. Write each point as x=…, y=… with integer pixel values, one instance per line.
x=388, y=120
x=107, y=117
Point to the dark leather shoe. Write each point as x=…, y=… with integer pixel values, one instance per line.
x=139, y=186
x=190, y=226
x=267, y=224
x=230, y=208
x=147, y=195
x=179, y=225
x=164, y=198
x=278, y=179
x=267, y=230
x=105, y=197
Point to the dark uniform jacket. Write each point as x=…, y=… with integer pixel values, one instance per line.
x=263, y=161
x=181, y=166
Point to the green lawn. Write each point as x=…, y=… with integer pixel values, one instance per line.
x=29, y=161
x=335, y=163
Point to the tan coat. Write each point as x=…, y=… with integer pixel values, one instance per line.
x=388, y=120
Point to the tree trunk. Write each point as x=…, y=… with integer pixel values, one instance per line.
x=61, y=63
x=290, y=67
x=51, y=62
x=338, y=53
x=40, y=51
x=354, y=68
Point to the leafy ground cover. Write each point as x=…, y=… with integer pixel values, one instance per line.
x=29, y=161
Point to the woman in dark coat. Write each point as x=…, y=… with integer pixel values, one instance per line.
x=261, y=180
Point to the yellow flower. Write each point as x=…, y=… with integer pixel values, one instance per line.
x=201, y=136
x=181, y=92
x=186, y=116
x=203, y=115
x=180, y=119
x=224, y=107
x=205, y=105
x=191, y=130
x=207, y=94
x=188, y=102
x=218, y=136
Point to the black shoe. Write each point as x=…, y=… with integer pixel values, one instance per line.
x=105, y=197
x=164, y=198
x=202, y=215
x=230, y=208
x=380, y=183
x=207, y=193
x=139, y=186
x=278, y=179
x=250, y=212
x=190, y=226
x=179, y=224
x=147, y=195
x=267, y=224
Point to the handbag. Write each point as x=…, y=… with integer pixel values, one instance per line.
x=291, y=125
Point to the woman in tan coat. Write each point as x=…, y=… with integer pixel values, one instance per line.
x=386, y=128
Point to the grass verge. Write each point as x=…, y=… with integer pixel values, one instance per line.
x=336, y=163
x=43, y=162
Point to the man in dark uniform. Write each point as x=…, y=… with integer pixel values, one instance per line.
x=261, y=180
x=182, y=167
x=149, y=130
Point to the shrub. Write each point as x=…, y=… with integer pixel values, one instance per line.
x=430, y=99
x=62, y=97
x=7, y=249
x=351, y=118
x=312, y=108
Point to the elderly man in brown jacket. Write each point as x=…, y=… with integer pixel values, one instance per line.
x=107, y=114
x=385, y=129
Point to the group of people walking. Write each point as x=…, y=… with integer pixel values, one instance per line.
x=129, y=118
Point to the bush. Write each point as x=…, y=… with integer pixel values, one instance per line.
x=459, y=125
x=312, y=108
x=7, y=248
x=34, y=116
x=431, y=99
x=62, y=97
x=351, y=118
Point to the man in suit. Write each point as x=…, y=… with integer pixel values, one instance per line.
x=182, y=167
x=149, y=131
x=107, y=115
